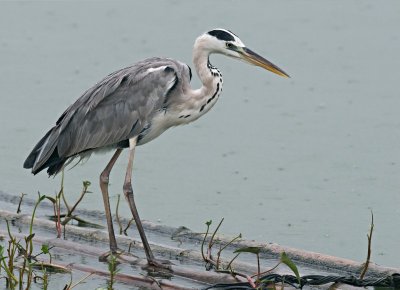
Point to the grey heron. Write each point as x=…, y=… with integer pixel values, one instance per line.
x=134, y=105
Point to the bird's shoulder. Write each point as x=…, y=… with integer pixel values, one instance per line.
x=152, y=74
x=134, y=83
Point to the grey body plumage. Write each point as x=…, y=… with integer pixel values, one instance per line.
x=134, y=105
x=117, y=108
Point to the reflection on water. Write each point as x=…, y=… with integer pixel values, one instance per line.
x=315, y=152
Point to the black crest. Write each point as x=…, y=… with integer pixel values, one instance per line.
x=221, y=35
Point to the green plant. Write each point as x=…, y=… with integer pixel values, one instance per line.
x=208, y=256
x=112, y=268
x=63, y=219
x=24, y=274
x=369, y=250
x=20, y=266
x=7, y=261
x=216, y=264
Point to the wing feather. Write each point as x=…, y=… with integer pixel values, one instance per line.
x=115, y=109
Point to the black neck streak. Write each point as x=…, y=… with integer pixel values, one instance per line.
x=216, y=74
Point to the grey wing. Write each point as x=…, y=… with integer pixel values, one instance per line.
x=115, y=109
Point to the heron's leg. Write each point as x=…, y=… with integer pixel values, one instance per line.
x=104, y=180
x=129, y=196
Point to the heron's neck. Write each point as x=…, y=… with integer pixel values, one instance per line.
x=203, y=99
x=208, y=74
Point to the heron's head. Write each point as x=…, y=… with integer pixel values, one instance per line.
x=225, y=42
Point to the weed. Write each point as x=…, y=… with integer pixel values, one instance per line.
x=18, y=249
x=63, y=219
x=113, y=270
x=216, y=264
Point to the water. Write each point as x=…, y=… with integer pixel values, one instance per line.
x=300, y=162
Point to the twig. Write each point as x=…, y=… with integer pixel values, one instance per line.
x=211, y=243
x=225, y=246
x=369, y=236
x=69, y=215
x=37, y=255
x=67, y=219
x=258, y=266
x=230, y=242
x=229, y=266
x=86, y=185
x=204, y=240
x=80, y=281
x=117, y=215
x=20, y=202
x=58, y=206
x=233, y=273
x=62, y=192
x=267, y=271
x=130, y=245
x=219, y=256
x=128, y=225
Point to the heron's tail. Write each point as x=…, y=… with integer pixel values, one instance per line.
x=45, y=155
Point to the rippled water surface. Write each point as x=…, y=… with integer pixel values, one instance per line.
x=298, y=161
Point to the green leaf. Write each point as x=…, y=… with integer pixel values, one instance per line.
x=59, y=193
x=51, y=199
x=253, y=250
x=86, y=183
x=288, y=262
x=209, y=223
x=30, y=237
x=45, y=249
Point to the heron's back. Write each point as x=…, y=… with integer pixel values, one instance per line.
x=119, y=107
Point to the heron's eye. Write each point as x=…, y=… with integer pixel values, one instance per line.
x=229, y=45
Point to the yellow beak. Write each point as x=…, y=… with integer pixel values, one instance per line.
x=253, y=58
